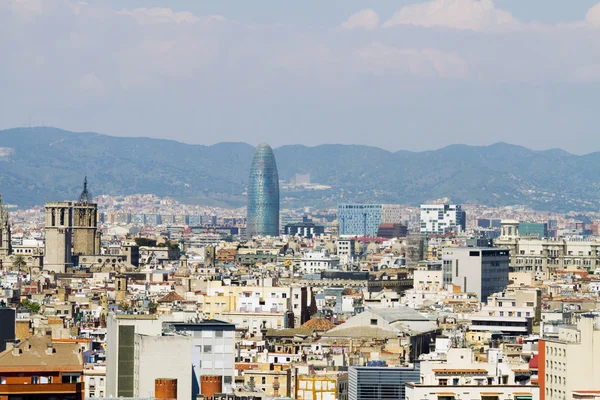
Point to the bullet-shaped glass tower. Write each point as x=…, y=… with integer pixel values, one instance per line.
x=263, y=194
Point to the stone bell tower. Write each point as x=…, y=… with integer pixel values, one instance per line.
x=86, y=239
x=57, y=256
x=5, y=238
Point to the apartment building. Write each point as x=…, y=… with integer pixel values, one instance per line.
x=480, y=270
x=439, y=219
x=546, y=256
x=212, y=353
x=460, y=377
x=41, y=368
x=323, y=385
x=569, y=364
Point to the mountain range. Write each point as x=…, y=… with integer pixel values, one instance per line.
x=48, y=164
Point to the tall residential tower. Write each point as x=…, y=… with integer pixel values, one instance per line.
x=263, y=194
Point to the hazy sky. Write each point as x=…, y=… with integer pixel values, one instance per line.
x=397, y=74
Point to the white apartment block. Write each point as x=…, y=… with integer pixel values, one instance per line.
x=480, y=270
x=315, y=261
x=346, y=250
x=570, y=363
x=439, y=219
x=460, y=377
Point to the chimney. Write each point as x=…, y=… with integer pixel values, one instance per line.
x=49, y=349
x=16, y=351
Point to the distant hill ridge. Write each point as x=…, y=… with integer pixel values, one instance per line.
x=42, y=164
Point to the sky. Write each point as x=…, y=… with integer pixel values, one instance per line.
x=396, y=74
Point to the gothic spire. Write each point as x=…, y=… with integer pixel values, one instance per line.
x=3, y=213
x=85, y=196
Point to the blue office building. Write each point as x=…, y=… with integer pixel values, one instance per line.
x=263, y=194
x=359, y=219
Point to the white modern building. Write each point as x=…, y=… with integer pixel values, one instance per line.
x=316, y=261
x=480, y=270
x=346, y=250
x=570, y=363
x=137, y=354
x=212, y=353
x=460, y=377
x=439, y=219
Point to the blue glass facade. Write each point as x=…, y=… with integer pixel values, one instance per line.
x=263, y=194
x=354, y=218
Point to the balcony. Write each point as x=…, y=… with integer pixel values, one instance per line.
x=44, y=388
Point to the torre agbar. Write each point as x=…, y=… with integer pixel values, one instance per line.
x=263, y=194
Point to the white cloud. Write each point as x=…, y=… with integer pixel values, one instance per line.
x=156, y=15
x=366, y=19
x=476, y=15
x=380, y=59
x=592, y=17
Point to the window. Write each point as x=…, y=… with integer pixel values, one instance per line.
x=70, y=378
x=35, y=380
x=207, y=348
x=455, y=381
x=219, y=334
x=443, y=382
x=264, y=380
x=227, y=379
x=374, y=322
x=2, y=380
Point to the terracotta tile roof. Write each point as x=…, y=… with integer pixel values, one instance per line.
x=318, y=324
x=170, y=298
x=32, y=355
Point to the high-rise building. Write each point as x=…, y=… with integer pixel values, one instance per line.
x=391, y=213
x=263, y=194
x=479, y=270
x=439, y=219
x=359, y=219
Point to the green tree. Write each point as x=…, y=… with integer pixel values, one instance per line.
x=19, y=263
x=142, y=241
x=31, y=306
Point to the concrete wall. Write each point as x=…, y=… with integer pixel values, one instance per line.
x=163, y=357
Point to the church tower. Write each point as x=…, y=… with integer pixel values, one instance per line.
x=5, y=236
x=57, y=256
x=86, y=239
